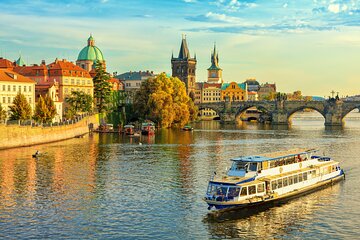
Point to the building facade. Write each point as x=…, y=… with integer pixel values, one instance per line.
x=12, y=83
x=184, y=68
x=267, y=91
x=132, y=82
x=235, y=92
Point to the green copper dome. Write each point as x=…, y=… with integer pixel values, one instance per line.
x=91, y=52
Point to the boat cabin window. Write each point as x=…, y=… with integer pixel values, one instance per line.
x=239, y=165
x=260, y=188
x=290, y=182
x=304, y=176
x=233, y=192
x=243, y=191
x=274, y=184
x=285, y=181
x=300, y=177
x=295, y=179
x=253, y=167
x=252, y=189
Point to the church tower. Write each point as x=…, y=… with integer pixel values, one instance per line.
x=214, y=71
x=184, y=67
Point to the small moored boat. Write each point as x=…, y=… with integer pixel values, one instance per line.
x=187, y=128
x=271, y=177
x=129, y=129
x=148, y=128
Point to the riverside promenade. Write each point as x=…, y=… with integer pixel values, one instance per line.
x=13, y=136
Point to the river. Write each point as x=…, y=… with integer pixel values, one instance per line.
x=112, y=187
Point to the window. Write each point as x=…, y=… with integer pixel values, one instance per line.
x=24, y=88
x=83, y=82
x=88, y=91
x=252, y=189
x=72, y=81
x=260, y=188
x=290, y=180
x=285, y=182
x=280, y=183
x=77, y=82
x=233, y=192
x=29, y=88
x=19, y=88
x=9, y=100
x=300, y=177
x=14, y=88
x=66, y=81
x=304, y=176
x=9, y=88
x=295, y=179
x=274, y=185
x=30, y=100
x=88, y=82
x=4, y=88
x=66, y=90
x=4, y=100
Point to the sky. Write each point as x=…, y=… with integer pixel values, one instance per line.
x=310, y=45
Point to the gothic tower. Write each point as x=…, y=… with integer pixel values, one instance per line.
x=184, y=67
x=214, y=71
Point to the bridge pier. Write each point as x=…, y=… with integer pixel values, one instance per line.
x=333, y=119
x=279, y=118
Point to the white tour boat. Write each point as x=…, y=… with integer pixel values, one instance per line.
x=271, y=177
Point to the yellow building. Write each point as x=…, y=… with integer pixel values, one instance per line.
x=234, y=91
x=12, y=83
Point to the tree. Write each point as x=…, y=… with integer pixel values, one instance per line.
x=79, y=102
x=164, y=101
x=3, y=113
x=21, y=109
x=102, y=88
x=45, y=110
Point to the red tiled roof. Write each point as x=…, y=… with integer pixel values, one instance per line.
x=216, y=85
x=11, y=76
x=4, y=63
x=65, y=68
x=32, y=71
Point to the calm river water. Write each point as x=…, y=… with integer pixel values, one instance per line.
x=109, y=186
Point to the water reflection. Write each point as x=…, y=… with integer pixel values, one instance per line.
x=110, y=186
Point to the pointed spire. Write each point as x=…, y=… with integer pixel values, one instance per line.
x=20, y=61
x=214, y=59
x=184, y=51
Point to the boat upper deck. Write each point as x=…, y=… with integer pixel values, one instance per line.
x=274, y=155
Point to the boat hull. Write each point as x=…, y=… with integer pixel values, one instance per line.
x=279, y=199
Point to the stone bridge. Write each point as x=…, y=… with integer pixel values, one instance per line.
x=280, y=112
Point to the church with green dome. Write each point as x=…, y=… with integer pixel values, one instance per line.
x=89, y=55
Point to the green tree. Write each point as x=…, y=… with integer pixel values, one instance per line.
x=102, y=88
x=21, y=109
x=164, y=101
x=3, y=113
x=79, y=102
x=45, y=110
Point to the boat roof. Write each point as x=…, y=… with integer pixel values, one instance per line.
x=274, y=155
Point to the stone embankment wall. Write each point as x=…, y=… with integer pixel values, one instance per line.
x=21, y=136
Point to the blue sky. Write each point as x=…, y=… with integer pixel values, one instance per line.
x=311, y=45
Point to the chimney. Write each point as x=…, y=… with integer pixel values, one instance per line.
x=43, y=62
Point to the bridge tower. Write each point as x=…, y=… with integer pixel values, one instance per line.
x=184, y=68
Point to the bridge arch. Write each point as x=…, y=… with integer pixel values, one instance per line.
x=350, y=109
x=243, y=109
x=205, y=107
x=301, y=108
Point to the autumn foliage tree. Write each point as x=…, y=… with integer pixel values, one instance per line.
x=3, y=113
x=20, y=109
x=164, y=101
x=45, y=110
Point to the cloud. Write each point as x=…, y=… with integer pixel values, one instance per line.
x=234, y=5
x=190, y=1
x=214, y=17
x=334, y=8
x=263, y=29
